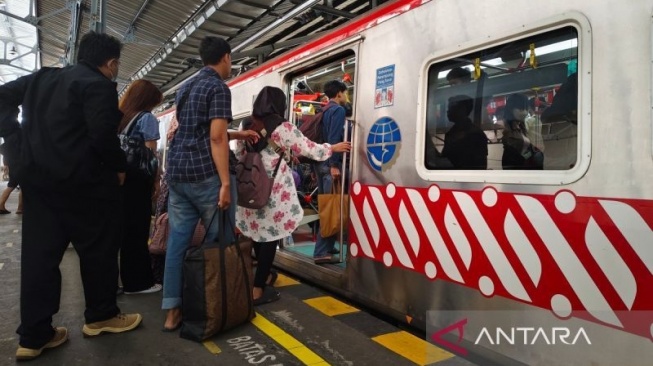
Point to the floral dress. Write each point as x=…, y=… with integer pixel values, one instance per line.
x=281, y=216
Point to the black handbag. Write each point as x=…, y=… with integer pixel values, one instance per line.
x=217, y=292
x=140, y=159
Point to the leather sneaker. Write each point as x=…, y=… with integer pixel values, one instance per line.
x=118, y=324
x=60, y=336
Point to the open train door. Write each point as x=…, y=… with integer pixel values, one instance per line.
x=305, y=85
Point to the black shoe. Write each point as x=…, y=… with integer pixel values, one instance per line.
x=269, y=295
x=273, y=278
x=333, y=251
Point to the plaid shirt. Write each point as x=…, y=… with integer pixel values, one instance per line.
x=189, y=158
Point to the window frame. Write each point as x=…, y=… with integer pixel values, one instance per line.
x=546, y=177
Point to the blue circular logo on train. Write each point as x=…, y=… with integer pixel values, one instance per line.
x=383, y=143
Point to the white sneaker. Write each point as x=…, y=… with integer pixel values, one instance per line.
x=156, y=288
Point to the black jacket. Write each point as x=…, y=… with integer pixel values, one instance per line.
x=68, y=134
x=465, y=145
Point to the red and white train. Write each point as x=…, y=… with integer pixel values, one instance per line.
x=572, y=242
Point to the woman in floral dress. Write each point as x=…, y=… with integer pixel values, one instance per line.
x=283, y=212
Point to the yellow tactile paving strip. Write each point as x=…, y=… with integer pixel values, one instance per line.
x=402, y=343
x=284, y=280
x=285, y=340
x=413, y=348
x=330, y=306
x=212, y=347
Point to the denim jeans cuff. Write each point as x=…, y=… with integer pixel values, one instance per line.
x=171, y=303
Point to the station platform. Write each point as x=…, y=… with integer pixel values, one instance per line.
x=306, y=327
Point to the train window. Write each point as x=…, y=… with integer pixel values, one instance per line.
x=307, y=96
x=512, y=106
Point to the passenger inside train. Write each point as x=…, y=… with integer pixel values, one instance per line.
x=542, y=68
x=465, y=144
x=309, y=96
x=518, y=151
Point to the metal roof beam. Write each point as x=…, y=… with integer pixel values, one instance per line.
x=34, y=21
x=18, y=57
x=212, y=32
x=254, y=5
x=132, y=25
x=158, y=78
x=185, y=53
x=223, y=23
x=273, y=47
x=75, y=23
x=163, y=73
x=98, y=15
x=173, y=42
x=289, y=15
x=6, y=62
x=171, y=68
x=329, y=10
x=238, y=15
x=178, y=79
x=12, y=40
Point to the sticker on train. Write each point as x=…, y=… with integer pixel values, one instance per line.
x=385, y=87
x=383, y=144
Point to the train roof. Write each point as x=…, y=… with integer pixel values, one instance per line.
x=161, y=37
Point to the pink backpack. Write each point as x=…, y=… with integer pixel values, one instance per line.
x=252, y=181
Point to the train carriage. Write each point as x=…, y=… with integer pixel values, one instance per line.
x=569, y=239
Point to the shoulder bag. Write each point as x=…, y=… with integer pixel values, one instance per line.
x=141, y=160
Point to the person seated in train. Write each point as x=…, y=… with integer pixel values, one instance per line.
x=565, y=103
x=282, y=214
x=465, y=144
x=518, y=151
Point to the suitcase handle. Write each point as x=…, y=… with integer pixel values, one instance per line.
x=222, y=229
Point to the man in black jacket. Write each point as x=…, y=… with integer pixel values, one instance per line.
x=70, y=168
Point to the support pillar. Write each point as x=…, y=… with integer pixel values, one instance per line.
x=98, y=15
x=73, y=34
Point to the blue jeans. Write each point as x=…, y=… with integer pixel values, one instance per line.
x=324, y=183
x=187, y=204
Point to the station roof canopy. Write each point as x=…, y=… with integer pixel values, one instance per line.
x=161, y=37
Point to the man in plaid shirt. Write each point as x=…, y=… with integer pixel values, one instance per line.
x=200, y=175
